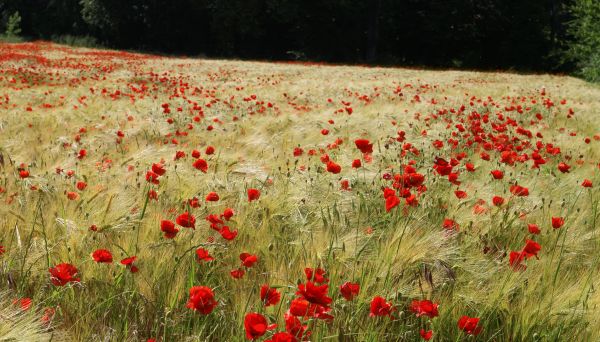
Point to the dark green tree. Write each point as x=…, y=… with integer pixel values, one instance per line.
x=584, y=48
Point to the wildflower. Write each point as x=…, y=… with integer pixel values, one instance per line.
x=269, y=296
x=248, y=260
x=186, y=220
x=203, y=255
x=128, y=262
x=469, y=325
x=256, y=325
x=349, y=290
x=424, y=308
x=212, y=197
x=557, y=222
x=364, y=145
x=253, y=194
x=102, y=256
x=62, y=274
x=379, y=307
x=168, y=228
x=202, y=299
x=497, y=174
x=426, y=335
x=333, y=167
x=201, y=164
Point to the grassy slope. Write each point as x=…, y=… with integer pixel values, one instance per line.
x=302, y=219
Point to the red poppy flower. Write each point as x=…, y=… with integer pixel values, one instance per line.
x=469, y=325
x=102, y=256
x=48, y=315
x=564, y=168
x=248, y=260
x=201, y=165
x=237, y=273
x=186, y=220
x=24, y=303
x=356, y=163
x=194, y=202
x=179, y=155
x=282, y=336
x=228, y=234
x=531, y=249
x=152, y=177
x=256, y=325
x=349, y=290
x=168, y=228
x=315, y=294
x=460, y=194
x=424, y=308
x=269, y=296
x=159, y=169
x=202, y=299
x=82, y=153
x=299, y=307
x=345, y=185
x=587, y=183
x=518, y=190
x=295, y=328
x=298, y=151
x=379, y=307
x=209, y=150
x=557, y=222
x=228, y=214
x=212, y=197
x=81, y=186
x=391, y=202
x=515, y=260
x=533, y=228
x=72, y=195
x=24, y=174
x=253, y=194
x=215, y=221
x=333, y=167
x=128, y=262
x=450, y=224
x=62, y=274
x=203, y=255
x=498, y=201
x=195, y=154
x=364, y=145
x=426, y=335
x=316, y=275
x=387, y=192
x=497, y=174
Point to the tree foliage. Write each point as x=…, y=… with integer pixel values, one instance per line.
x=13, y=26
x=584, y=48
x=482, y=34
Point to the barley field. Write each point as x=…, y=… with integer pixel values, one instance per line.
x=149, y=198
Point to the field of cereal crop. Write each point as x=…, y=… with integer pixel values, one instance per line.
x=174, y=199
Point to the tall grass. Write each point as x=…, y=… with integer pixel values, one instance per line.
x=303, y=218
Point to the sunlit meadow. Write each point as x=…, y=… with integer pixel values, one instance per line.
x=179, y=199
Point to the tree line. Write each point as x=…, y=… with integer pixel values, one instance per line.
x=532, y=35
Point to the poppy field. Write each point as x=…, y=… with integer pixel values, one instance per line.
x=150, y=198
